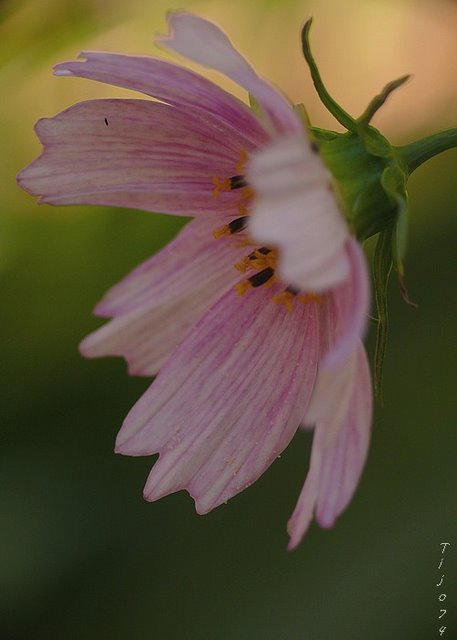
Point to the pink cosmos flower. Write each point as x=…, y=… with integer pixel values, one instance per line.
x=252, y=317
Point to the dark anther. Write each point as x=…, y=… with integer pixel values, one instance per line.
x=263, y=250
x=238, y=182
x=293, y=291
x=238, y=224
x=106, y=121
x=261, y=277
x=314, y=147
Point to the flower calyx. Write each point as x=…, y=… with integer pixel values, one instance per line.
x=370, y=177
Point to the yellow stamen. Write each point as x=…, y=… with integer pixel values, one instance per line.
x=242, y=287
x=304, y=298
x=223, y=231
x=244, y=241
x=285, y=298
x=225, y=185
x=260, y=260
x=247, y=193
x=257, y=261
x=244, y=265
x=220, y=185
x=242, y=161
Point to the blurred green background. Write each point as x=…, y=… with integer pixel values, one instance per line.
x=82, y=556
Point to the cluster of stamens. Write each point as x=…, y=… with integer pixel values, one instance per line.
x=262, y=260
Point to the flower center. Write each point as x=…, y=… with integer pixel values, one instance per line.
x=236, y=225
x=262, y=260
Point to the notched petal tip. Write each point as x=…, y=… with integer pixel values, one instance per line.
x=62, y=72
x=171, y=18
x=153, y=493
x=204, y=42
x=21, y=179
x=119, y=446
x=147, y=496
x=127, y=445
x=62, y=68
x=200, y=508
x=292, y=545
x=324, y=521
x=225, y=448
x=25, y=180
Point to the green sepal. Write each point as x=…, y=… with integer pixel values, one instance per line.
x=337, y=112
x=324, y=135
x=393, y=180
x=316, y=135
x=382, y=267
x=369, y=180
x=255, y=106
x=374, y=142
x=380, y=99
x=356, y=163
x=302, y=113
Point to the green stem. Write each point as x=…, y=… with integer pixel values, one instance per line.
x=417, y=153
x=340, y=114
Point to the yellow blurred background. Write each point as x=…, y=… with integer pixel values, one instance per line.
x=83, y=556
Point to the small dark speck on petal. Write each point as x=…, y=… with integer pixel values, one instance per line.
x=106, y=121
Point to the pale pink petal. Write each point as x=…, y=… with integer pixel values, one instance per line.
x=303, y=513
x=158, y=303
x=348, y=309
x=170, y=83
x=296, y=211
x=229, y=399
x=193, y=255
x=342, y=468
x=134, y=153
x=336, y=463
x=202, y=41
x=332, y=394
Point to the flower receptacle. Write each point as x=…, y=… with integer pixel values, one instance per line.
x=359, y=165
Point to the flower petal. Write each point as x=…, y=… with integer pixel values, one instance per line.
x=170, y=83
x=203, y=42
x=156, y=305
x=229, y=399
x=134, y=153
x=331, y=396
x=349, y=306
x=296, y=211
x=336, y=463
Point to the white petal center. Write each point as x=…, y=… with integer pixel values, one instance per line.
x=296, y=211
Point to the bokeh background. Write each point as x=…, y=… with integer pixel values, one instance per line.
x=82, y=556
